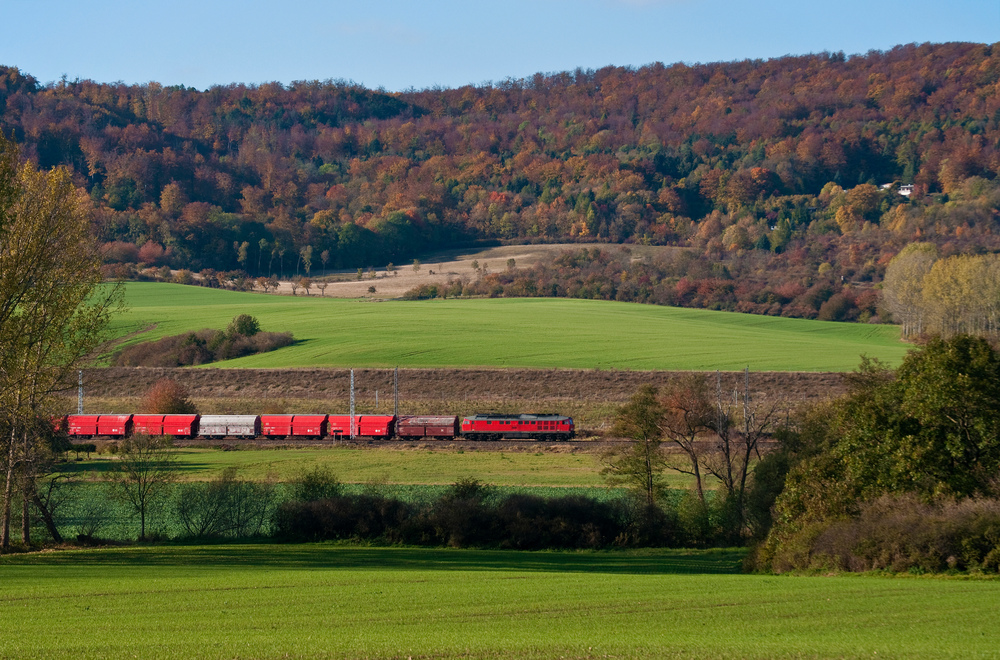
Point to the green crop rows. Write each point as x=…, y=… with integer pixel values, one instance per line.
x=313, y=601
x=532, y=332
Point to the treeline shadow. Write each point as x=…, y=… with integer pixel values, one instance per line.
x=104, y=467
x=323, y=556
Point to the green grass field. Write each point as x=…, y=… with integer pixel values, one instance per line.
x=532, y=332
x=399, y=467
x=264, y=601
x=395, y=466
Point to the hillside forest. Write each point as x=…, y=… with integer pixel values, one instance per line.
x=791, y=183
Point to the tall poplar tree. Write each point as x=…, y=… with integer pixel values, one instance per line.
x=53, y=313
x=904, y=285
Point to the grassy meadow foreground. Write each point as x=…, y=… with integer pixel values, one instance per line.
x=266, y=601
x=528, y=332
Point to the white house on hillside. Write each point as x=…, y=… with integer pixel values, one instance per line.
x=905, y=189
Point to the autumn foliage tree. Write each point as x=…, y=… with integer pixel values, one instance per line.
x=168, y=397
x=688, y=428
x=688, y=419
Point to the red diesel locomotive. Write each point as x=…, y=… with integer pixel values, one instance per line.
x=517, y=427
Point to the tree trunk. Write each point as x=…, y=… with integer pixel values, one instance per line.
x=697, y=479
x=50, y=523
x=25, y=515
x=8, y=491
x=649, y=475
x=27, y=483
x=744, y=471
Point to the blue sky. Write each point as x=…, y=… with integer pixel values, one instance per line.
x=396, y=44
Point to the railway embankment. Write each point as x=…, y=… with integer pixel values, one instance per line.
x=426, y=387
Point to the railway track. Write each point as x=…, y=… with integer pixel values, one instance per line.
x=593, y=445
x=368, y=443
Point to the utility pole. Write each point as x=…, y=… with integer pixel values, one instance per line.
x=395, y=392
x=79, y=393
x=353, y=422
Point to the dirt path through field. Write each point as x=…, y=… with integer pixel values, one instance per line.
x=446, y=266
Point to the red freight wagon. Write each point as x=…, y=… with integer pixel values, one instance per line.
x=148, y=424
x=427, y=427
x=82, y=426
x=309, y=426
x=539, y=427
x=276, y=426
x=180, y=426
x=339, y=426
x=283, y=426
x=116, y=426
x=376, y=426
x=371, y=426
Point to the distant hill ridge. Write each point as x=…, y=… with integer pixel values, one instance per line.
x=772, y=169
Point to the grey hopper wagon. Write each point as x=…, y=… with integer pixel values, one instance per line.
x=229, y=426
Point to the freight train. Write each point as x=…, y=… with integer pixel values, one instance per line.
x=378, y=427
